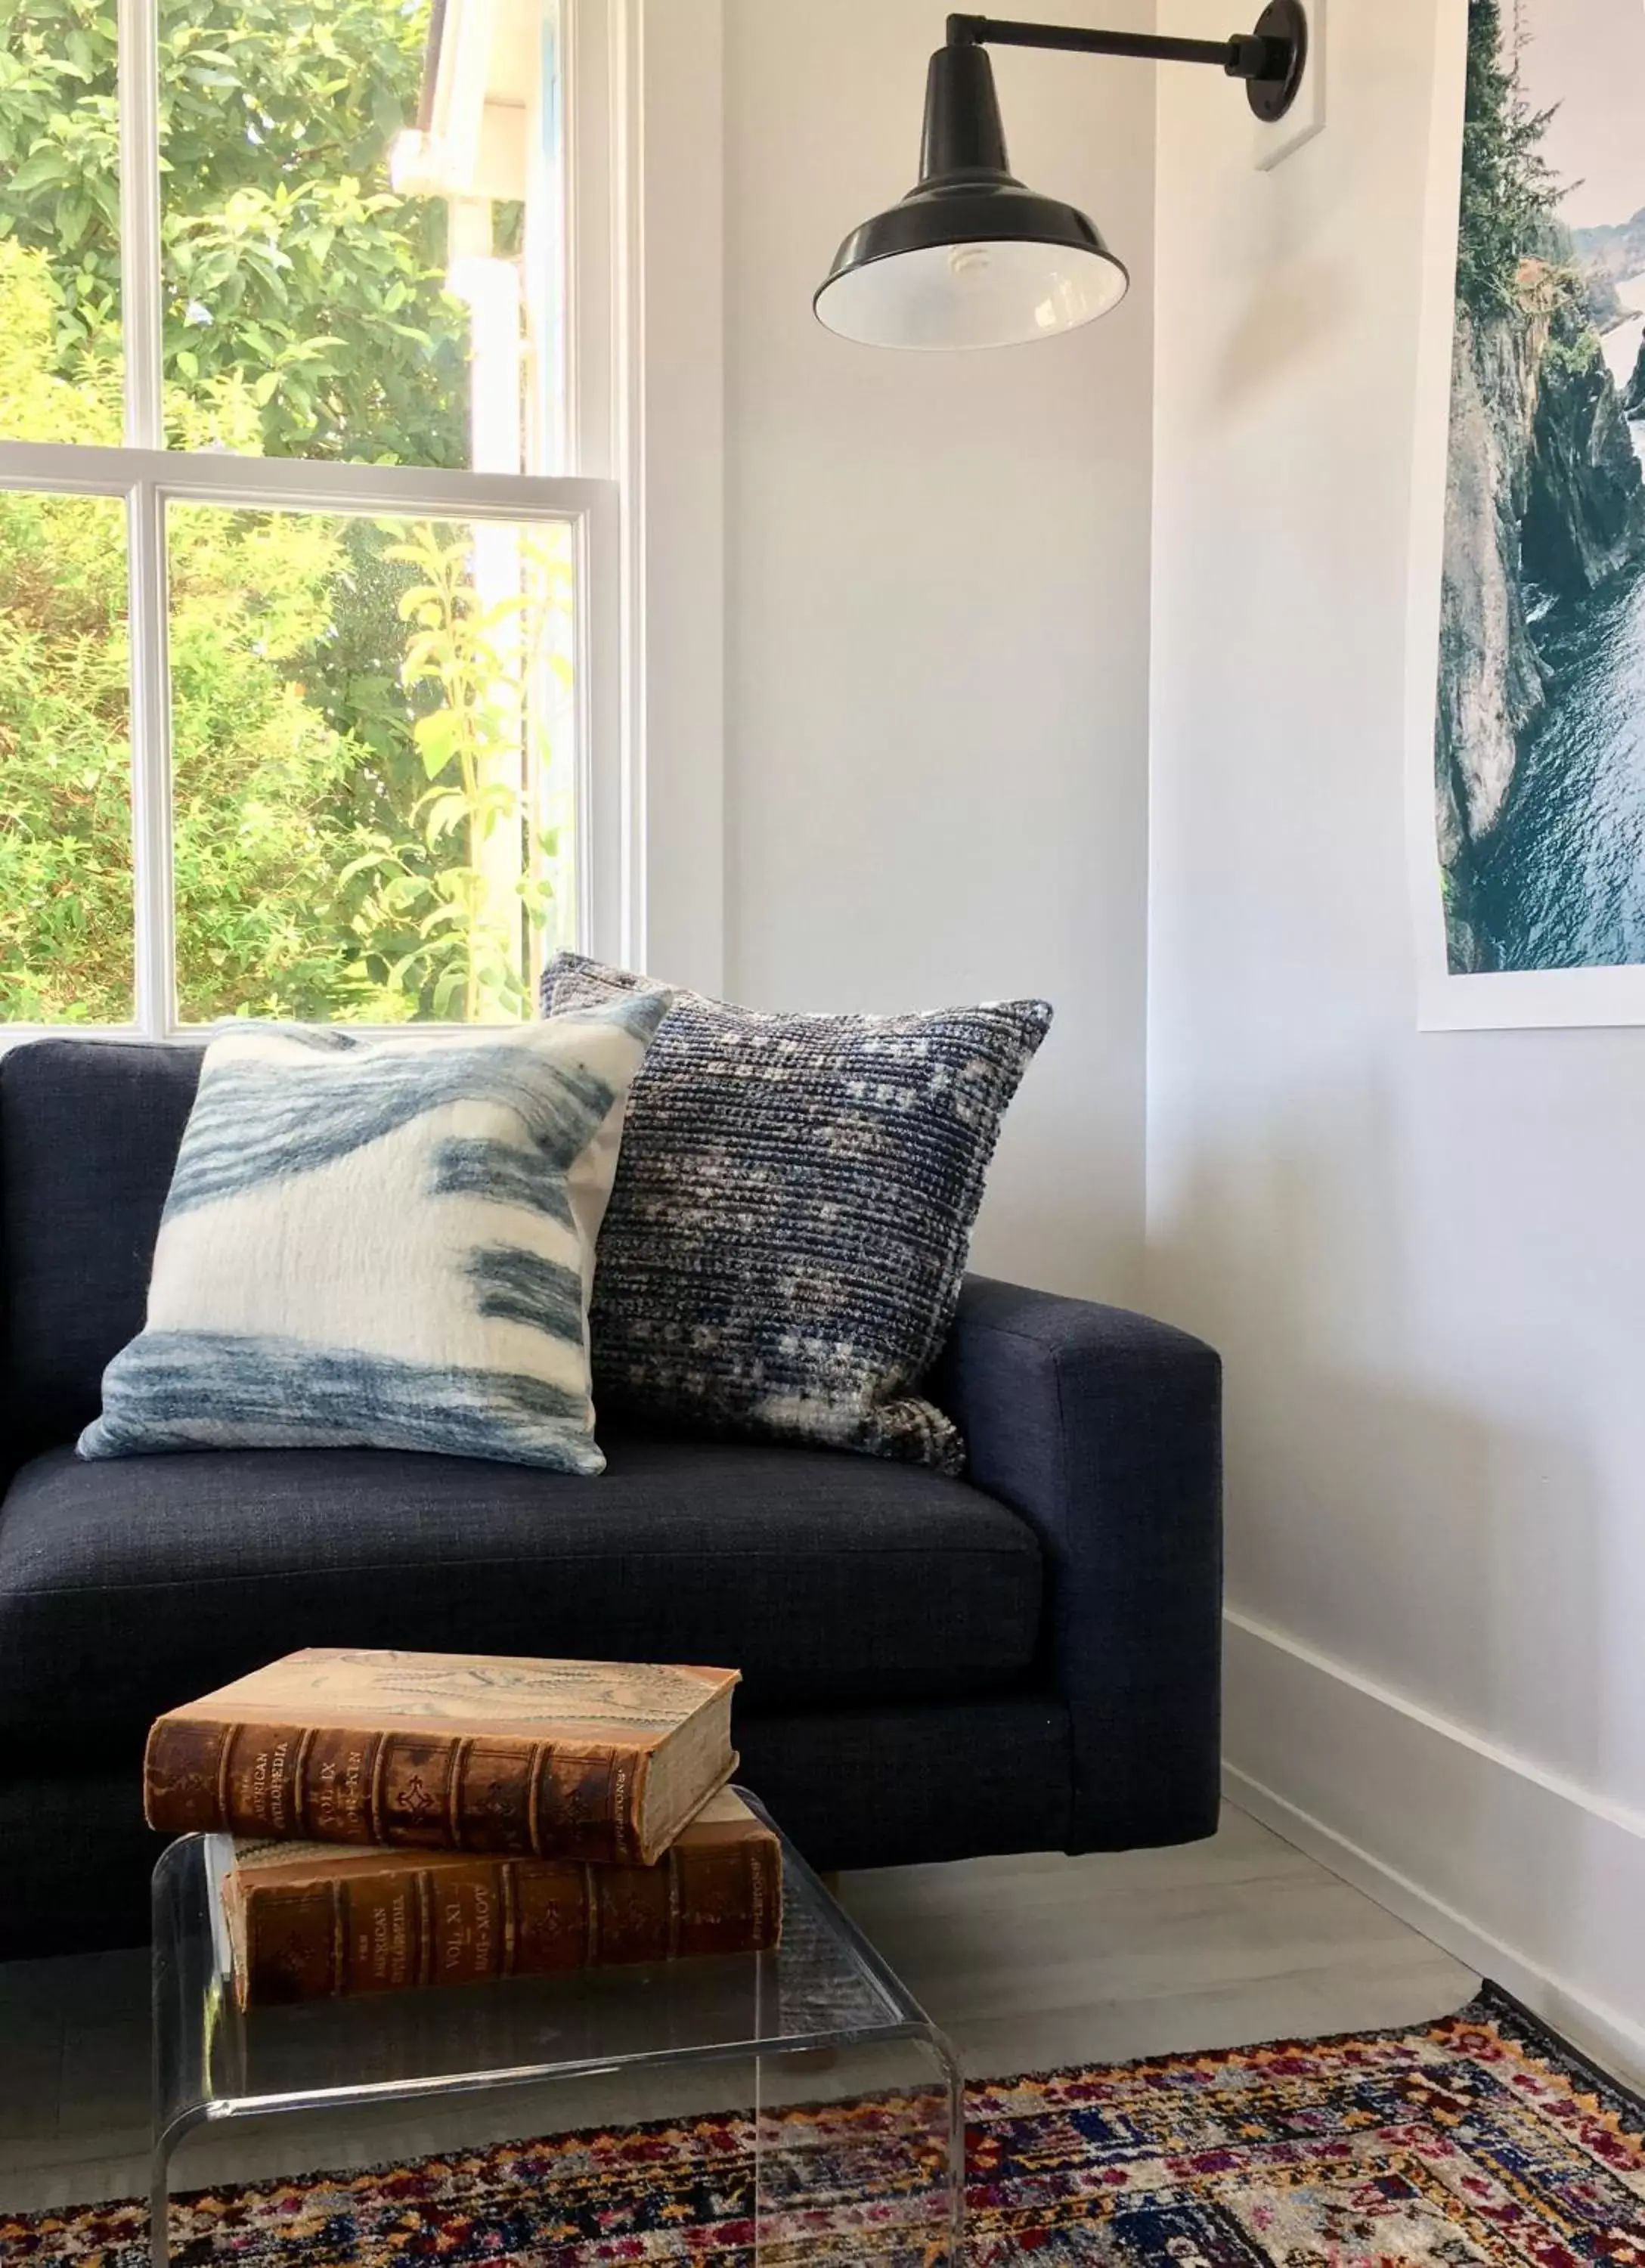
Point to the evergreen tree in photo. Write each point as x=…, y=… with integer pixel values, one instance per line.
x=1508, y=194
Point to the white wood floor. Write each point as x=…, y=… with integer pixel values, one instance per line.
x=1026, y=1963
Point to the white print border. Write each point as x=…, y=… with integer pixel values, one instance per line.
x=1507, y=1000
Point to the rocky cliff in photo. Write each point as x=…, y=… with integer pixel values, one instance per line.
x=1544, y=502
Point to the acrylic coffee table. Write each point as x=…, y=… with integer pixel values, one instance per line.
x=782, y=2044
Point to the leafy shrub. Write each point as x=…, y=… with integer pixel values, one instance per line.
x=334, y=814
x=287, y=260
x=257, y=846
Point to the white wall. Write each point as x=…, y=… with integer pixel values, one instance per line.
x=1423, y=1255
x=937, y=611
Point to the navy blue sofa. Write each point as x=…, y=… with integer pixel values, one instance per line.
x=933, y=1669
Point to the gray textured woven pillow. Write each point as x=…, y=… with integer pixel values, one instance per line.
x=787, y=1230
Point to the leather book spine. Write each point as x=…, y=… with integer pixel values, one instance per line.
x=375, y=1932
x=298, y=1783
x=730, y=1896
x=387, y=1928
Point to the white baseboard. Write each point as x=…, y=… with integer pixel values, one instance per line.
x=1516, y=1870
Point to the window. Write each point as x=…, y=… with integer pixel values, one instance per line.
x=304, y=629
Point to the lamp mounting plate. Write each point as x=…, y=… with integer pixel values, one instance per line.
x=1281, y=20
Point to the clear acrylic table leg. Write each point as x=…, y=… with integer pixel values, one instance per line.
x=859, y=2155
x=195, y=2050
x=159, y=2218
x=955, y=2079
x=806, y=2033
x=165, y=2140
x=780, y=2085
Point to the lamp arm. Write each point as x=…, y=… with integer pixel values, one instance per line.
x=1247, y=54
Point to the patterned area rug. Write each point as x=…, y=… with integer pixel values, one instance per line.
x=1479, y=2138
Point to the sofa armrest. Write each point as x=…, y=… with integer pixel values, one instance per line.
x=1103, y=1430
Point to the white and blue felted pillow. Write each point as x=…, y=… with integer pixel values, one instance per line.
x=384, y=1243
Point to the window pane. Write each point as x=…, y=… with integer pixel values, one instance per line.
x=374, y=782
x=342, y=281
x=60, y=348
x=65, y=763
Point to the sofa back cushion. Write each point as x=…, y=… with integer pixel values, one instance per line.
x=89, y=1134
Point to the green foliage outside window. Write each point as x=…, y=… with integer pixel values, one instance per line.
x=325, y=862
x=287, y=260
x=444, y=883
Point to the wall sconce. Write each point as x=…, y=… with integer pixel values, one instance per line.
x=970, y=258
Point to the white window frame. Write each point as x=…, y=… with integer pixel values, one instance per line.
x=147, y=477
x=646, y=131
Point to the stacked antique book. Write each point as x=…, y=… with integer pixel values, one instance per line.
x=405, y=1819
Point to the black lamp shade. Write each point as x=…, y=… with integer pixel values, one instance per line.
x=969, y=258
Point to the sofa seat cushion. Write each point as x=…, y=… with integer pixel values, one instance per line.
x=128, y=1586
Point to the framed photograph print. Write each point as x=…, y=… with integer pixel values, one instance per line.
x=1526, y=700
